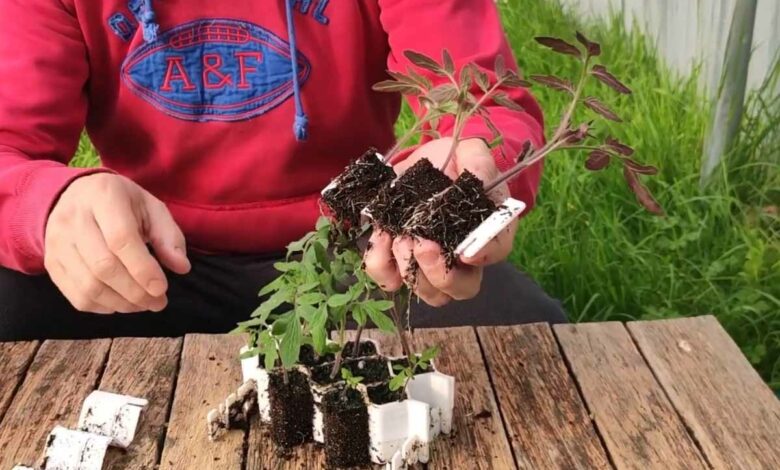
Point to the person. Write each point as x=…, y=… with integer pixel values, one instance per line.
x=218, y=123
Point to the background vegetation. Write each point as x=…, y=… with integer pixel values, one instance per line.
x=589, y=243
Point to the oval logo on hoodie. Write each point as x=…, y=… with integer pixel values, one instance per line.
x=214, y=70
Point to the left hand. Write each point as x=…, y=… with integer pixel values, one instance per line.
x=388, y=259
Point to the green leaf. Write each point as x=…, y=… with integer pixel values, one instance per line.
x=322, y=222
x=310, y=298
x=359, y=315
x=290, y=346
x=273, y=285
x=249, y=353
x=298, y=245
x=380, y=305
x=321, y=255
x=398, y=381
x=270, y=360
x=382, y=321
x=339, y=300
x=285, y=266
x=430, y=353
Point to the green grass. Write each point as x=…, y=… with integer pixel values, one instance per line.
x=589, y=244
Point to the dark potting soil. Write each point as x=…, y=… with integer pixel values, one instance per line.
x=379, y=394
x=448, y=219
x=366, y=348
x=292, y=408
x=357, y=186
x=308, y=357
x=372, y=369
x=395, y=204
x=345, y=424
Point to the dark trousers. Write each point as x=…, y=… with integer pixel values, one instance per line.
x=222, y=290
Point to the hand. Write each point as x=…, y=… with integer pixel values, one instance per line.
x=95, y=246
x=388, y=259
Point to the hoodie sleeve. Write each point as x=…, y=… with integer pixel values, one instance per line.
x=42, y=112
x=471, y=31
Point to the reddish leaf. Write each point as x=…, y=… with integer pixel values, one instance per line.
x=593, y=48
x=637, y=167
x=597, y=160
x=489, y=123
x=500, y=66
x=392, y=86
x=559, y=45
x=403, y=78
x=443, y=93
x=601, y=108
x=482, y=79
x=465, y=78
x=554, y=82
x=504, y=100
x=619, y=147
x=575, y=136
x=419, y=79
x=511, y=80
x=422, y=60
x=642, y=193
x=524, y=151
x=449, y=65
x=601, y=73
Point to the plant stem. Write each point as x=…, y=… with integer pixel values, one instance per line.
x=356, y=347
x=337, y=363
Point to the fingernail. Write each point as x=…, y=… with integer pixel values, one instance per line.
x=155, y=288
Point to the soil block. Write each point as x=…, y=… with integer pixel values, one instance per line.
x=357, y=186
x=366, y=348
x=345, y=422
x=310, y=358
x=372, y=369
x=449, y=218
x=292, y=408
x=380, y=393
x=395, y=204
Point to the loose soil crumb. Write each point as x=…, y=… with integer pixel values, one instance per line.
x=450, y=217
x=395, y=204
x=357, y=186
x=345, y=423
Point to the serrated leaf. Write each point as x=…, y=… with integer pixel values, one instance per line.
x=482, y=79
x=559, y=45
x=504, y=100
x=597, y=160
x=430, y=353
x=601, y=73
x=298, y=245
x=402, y=78
x=619, y=147
x=310, y=298
x=641, y=192
x=419, y=79
x=593, y=48
x=423, y=61
x=554, y=82
x=601, y=108
x=443, y=93
x=637, y=167
x=512, y=80
x=397, y=382
x=446, y=60
x=500, y=66
x=290, y=346
x=392, y=86
x=307, y=287
x=321, y=255
x=272, y=286
x=380, y=305
x=359, y=315
x=382, y=321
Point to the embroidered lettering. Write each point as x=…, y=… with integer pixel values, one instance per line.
x=211, y=66
x=244, y=68
x=176, y=72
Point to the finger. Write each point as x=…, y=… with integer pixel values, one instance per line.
x=379, y=262
x=403, y=249
x=106, y=267
x=496, y=250
x=67, y=286
x=166, y=237
x=428, y=293
x=120, y=226
x=91, y=287
x=459, y=282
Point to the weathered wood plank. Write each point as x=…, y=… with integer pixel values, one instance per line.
x=209, y=371
x=732, y=414
x=14, y=360
x=639, y=426
x=546, y=420
x=144, y=368
x=62, y=374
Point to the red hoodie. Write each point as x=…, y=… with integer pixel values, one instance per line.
x=195, y=101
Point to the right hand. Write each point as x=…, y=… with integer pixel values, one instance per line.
x=95, y=246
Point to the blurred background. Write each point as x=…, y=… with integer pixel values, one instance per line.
x=706, y=111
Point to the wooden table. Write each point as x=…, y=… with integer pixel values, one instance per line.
x=673, y=394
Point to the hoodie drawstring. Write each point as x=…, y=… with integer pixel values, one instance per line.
x=301, y=125
x=144, y=12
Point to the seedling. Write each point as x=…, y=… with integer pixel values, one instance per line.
x=415, y=364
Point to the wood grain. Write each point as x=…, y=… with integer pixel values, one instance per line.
x=144, y=368
x=639, y=426
x=209, y=371
x=732, y=414
x=546, y=420
x=14, y=360
x=62, y=374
